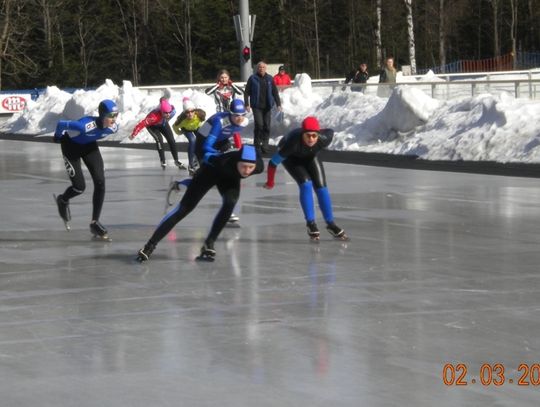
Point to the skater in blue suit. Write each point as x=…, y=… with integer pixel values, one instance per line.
x=215, y=136
x=78, y=140
x=223, y=171
x=298, y=151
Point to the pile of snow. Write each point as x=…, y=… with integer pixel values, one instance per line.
x=408, y=122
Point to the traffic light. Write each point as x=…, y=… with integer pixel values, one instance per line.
x=246, y=53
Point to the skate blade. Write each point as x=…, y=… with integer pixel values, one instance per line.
x=205, y=258
x=233, y=225
x=170, y=193
x=97, y=238
x=66, y=223
x=343, y=238
x=315, y=239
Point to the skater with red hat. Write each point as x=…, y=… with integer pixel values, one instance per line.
x=298, y=151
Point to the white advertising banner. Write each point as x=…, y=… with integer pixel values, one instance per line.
x=13, y=103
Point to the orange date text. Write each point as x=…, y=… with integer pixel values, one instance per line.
x=491, y=374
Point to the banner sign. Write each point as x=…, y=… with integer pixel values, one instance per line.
x=11, y=103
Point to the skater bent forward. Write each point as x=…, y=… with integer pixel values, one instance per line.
x=225, y=172
x=298, y=151
x=157, y=124
x=78, y=141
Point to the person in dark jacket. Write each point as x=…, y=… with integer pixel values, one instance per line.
x=387, y=78
x=298, y=151
x=260, y=96
x=357, y=77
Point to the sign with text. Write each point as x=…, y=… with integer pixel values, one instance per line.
x=10, y=103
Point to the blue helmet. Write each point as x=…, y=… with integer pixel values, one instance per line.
x=106, y=107
x=248, y=154
x=238, y=107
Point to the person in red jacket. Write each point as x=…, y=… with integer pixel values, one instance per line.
x=157, y=124
x=282, y=78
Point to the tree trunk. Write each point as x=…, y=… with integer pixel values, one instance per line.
x=130, y=30
x=378, y=38
x=188, y=47
x=513, y=30
x=317, y=51
x=410, y=36
x=442, y=37
x=496, y=46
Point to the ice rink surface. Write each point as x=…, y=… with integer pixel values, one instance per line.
x=442, y=269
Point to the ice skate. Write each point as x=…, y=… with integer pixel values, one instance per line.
x=174, y=189
x=163, y=166
x=99, y=231
x=180, y=165
x=63, y=210
x=207, y=253
x=234, y=221
x=336, y=231
x=191, y=171
x=145, y=252
x=313, y=231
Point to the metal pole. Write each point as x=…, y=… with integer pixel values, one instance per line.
x=245, y=65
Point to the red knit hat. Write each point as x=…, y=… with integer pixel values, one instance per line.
x=311, y=123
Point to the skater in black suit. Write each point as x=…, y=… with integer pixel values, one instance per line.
x=298, y=151
x=223, y=171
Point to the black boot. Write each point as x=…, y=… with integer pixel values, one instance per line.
x=180, y=165
x=207, y=252
x=99, y=231
x=336, y=231
x=145, y=252
x=313, y=230
x=63, y=210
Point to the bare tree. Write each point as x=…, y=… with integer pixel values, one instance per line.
x=513, y=30
x=442, y=35
x=181, y=19
x=495, y=15
x=129, y=21
x=410, y=36
x=317, y=50
x=378, y=38
x=86, y=40
x=15, y=27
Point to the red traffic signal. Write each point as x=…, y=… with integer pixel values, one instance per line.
x=246, y=53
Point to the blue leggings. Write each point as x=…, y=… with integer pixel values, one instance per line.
x=191, y=148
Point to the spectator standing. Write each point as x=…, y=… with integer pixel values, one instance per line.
x=388, y=76
x=282, y=78
x=260, y=96
x=388, y=72
x=224, y=91
x=358, y=76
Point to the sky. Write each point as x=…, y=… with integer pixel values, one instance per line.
x=409, y=121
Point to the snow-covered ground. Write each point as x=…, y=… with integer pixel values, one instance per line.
x=409, y=122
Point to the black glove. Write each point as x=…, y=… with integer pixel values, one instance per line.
x=58, y=138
